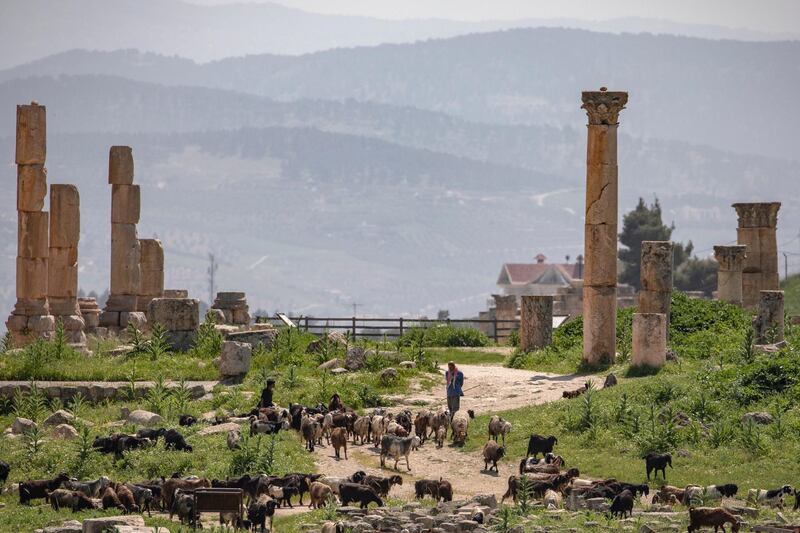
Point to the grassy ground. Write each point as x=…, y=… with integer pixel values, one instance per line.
x=791, y=288
x=476, y=356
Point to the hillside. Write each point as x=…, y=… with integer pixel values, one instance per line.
x=699, y=91
x=791, y=288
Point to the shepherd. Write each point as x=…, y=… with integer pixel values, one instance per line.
x=454, y=379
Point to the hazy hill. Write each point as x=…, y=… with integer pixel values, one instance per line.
x=31, y=29
x=732, y=95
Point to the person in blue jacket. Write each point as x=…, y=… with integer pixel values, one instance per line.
x=454, y=379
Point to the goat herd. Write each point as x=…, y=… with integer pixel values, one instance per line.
x=396, y=435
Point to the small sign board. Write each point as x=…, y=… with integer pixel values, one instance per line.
x=286, y=320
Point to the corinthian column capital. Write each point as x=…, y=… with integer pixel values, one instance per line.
x=603, y=106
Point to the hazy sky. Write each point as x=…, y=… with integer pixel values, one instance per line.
x=763, y=15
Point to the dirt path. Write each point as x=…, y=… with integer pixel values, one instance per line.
x=487, y=389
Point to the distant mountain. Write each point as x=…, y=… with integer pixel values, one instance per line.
x=704, y=92
x=205, y=33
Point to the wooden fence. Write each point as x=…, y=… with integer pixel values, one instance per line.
x=371, y=327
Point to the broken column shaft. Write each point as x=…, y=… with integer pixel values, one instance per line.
x=600, y=228
x=758, y=224
x=536, y=322
x=656, y=278
x=729, y=277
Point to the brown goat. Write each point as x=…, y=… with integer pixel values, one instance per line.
x=173, y=484
x=339, y=441
x=715, y=517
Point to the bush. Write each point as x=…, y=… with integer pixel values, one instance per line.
x=444, y=336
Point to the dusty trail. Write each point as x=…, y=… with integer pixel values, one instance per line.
x=488, y=389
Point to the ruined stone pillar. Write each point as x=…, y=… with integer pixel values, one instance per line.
x=649, y=346
x=768, y=322
x=62, y=279
x=729, y=277
x=152, y=272
x=600, y=228
x=758, y=223
x=121, y=307
x=505, y=310
x=536, y=322
x=31, y=316
x=656, y=277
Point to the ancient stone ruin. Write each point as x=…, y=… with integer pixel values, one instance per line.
x=768, y=324
x=758, y=224
x=179, y=316
x=649, y=343
x=31, y=316
x=656, y=277
x=536, y=322
x=729, y=277
x=233, y=308
x=600, y=229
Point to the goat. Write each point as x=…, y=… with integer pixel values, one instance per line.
x=382, y=485
x=111, y=501
x=89, y=488
x=773, y=498
x=353, y=492
x=171, y=485
x=539, y=444
x=321, y=494
x=259, y=511
x=499, y=427
x=656, y=462
x=5, y=469
x=361, y=429
x=187, y=420
x=397, y=447
x=309, y=429
x=711, y=516
x=173, y=440
x=622, y=504
x=38, y=488
x=69, y=499
x=492, y=452
x=552, y=499
x=459, y=426
x=339, y=440
x=436, y=489
x=421, y=425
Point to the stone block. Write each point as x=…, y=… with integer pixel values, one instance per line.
x=109, y=319
x=599, y=324
x=125, y=204
x=62, y=275
x=33, y=234
x=16, y=322
x=64, y=306
x=152, y=255
x=181, y=341
x=125, y=257
x=649, y=347
x=264, y=337
x=109, y=523
x=120, y=165
x=600, y=268
x=536, y=322
x=175, y=314
x=601, y=194
x=768, y=324
x=65, y=216
x=176, y=293
x=235, y=359
x=31, y=134
x=230, y=296
x=31, y=187
x=31, y=279
x=151, y=284
x=138, y=319
x=42, y=323
x=602, y=145
x=656, y=266
x=121, y=302
x=72, y=322
x=31, y=307
x=654, y=302
x=240, y=316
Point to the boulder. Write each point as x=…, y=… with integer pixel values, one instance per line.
x=485, y=500
x=70, y=526
x=218, y=428
x=388, y=375
x=65, y=431
x=22, y=425
x=137, y=318
x=215, y=315
x=141, y=417
x=139, y=529
x=338, y=371
x=255, y=337
x=758, y=417
x=356, y=358
x=234, y=361
x=330, y=365
x=408, y=364
x=59, y=417
x=108, y=523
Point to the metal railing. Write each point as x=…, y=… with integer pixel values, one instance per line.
x=372, y=327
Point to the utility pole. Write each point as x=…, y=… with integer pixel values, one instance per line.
x=785, y=266
x=355, y=309
x=212, y=269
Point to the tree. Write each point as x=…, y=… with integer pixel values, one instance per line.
x=697, y=275
x=644, y=223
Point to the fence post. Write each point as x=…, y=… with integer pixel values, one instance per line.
x=495, y=330
x=401, y=326
x=354, y=328
x=306, y=324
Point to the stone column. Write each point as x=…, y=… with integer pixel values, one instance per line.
x=600, y=227
x=758, y=223
x=31, y=316
x=536, y=322
x=121, y=307
x=90, y=312
x=768, y=322
x=505, y=308
x=152, y=272
x=729, y=277
x=649, y=347
x=656, y=277
x=62, y=279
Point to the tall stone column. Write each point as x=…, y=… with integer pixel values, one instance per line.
x=655, y=295
x=152, y=272
x=121, y=306
x=62, y=279
x=600, y=227
x=768, y=324
x=758, y=223
x=536, y=322
x=729, y=277
x=31, y=316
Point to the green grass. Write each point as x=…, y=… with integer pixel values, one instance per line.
x=468, y=357
x=791, y=287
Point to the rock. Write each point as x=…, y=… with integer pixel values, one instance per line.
x=644, y=528
x=122, y=349
x=22, y=425
x=235, y=359
x=337, y=371
x=741, y=510
x=140, y=417
x=58, y=418
x=219, y=428
x=611, y=380
x=139, y=529
x=137, y=318
x=332, y=364
x=485, y=500
x=99, y=525
x=356, y=358
x=672, y=356
x=408, y=364
x=65, y=431
x=684, y=453
x=216, y=316
x=758, y=417
x=255, y=337
x=388, y=375
x=175, y=314
x=70, y=526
